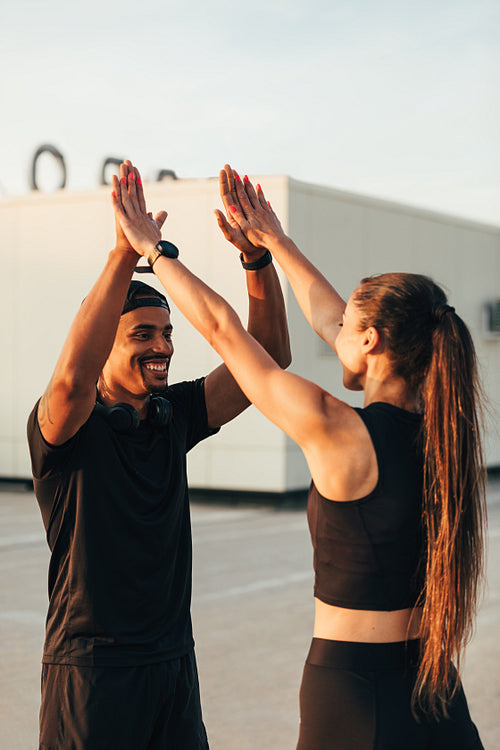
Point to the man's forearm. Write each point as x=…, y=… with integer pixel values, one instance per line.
x=70, y=395
x=92, y=333
x=267, y=321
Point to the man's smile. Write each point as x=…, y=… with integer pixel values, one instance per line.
x=156, y=366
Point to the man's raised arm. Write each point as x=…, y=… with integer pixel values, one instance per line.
x=70, y=395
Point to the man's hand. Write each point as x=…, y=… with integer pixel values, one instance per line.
x=139, y=229
x=251, y=220
x=122, y=243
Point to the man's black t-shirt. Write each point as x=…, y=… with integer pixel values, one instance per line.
x=115, y=509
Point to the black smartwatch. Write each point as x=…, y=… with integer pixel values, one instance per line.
x=163, y=247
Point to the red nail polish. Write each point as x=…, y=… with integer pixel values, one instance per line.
x=132, y=176
x=258, y=187
x=269, y=204
x=246, y=178
x=233, y=209
x=150, y=215
x=238, y=178
x=113, y=194
x=124, y=180
x=139, y=181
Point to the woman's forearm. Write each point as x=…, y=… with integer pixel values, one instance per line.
x=318, y=299
x=320, y=303
x=206, y=310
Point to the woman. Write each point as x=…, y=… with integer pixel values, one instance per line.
x=396, y=505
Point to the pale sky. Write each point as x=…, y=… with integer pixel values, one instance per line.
x=394, y=99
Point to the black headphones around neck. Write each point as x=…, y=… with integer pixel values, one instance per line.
x=125, y=419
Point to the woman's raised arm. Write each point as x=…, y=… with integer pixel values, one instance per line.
x=248, y=208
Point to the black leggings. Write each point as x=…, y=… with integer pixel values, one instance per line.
x=356, y=696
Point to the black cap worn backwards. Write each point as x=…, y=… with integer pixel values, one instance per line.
x=142, y=295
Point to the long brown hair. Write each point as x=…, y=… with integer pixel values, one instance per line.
x=432, y=350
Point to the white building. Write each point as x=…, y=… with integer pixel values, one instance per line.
x=53, y=247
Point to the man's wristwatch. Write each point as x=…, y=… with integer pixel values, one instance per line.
x=163, y=247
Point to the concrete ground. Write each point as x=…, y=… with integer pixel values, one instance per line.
x=252, y=614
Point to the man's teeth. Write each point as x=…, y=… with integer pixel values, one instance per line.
x=157, y=368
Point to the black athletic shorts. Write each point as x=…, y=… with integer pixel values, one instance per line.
x=151, y=707
x=357, y=696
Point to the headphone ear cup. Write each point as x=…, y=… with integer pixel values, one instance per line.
x=123, y=418
x=160, y=411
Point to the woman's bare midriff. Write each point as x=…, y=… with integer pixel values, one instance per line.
x=365, y=626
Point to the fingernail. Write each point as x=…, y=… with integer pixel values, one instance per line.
x=258, y=187
x=113, y=194
x=124, y=180
x=139, y=181
x=246, y=178
x=269, y=204
x=132, y=176
x=238, y=178
x=233, y=209
x=150, y=214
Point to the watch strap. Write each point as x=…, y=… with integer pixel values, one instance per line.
x=255, y=265
x=153, y=256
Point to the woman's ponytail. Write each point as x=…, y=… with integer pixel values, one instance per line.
x=453, y=509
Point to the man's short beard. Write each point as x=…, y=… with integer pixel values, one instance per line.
x=156, y=390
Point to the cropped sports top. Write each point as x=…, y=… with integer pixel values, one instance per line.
x=368, y=553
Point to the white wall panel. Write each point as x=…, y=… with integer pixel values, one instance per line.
x=53, y=247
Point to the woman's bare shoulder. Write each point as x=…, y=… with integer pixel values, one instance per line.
x=343, y=461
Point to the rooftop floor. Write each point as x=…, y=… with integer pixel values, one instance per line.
x=252, y=615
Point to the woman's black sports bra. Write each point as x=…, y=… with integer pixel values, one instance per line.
x=368, y=553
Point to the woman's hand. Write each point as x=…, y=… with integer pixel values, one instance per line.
x=249, y=214
x=229, y=226
x=139, y=230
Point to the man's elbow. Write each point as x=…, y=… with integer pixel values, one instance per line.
x=72, y=386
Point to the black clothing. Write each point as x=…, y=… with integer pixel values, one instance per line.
x=368, y=552
x=357, y=696
x=115, y=508
x=147, y=707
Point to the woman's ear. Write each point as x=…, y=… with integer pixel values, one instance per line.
x=372, y=341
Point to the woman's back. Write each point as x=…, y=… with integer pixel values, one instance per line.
x=368, y=552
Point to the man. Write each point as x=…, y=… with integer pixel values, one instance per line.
x=109, y=467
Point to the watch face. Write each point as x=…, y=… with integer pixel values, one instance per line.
x=168, y=249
